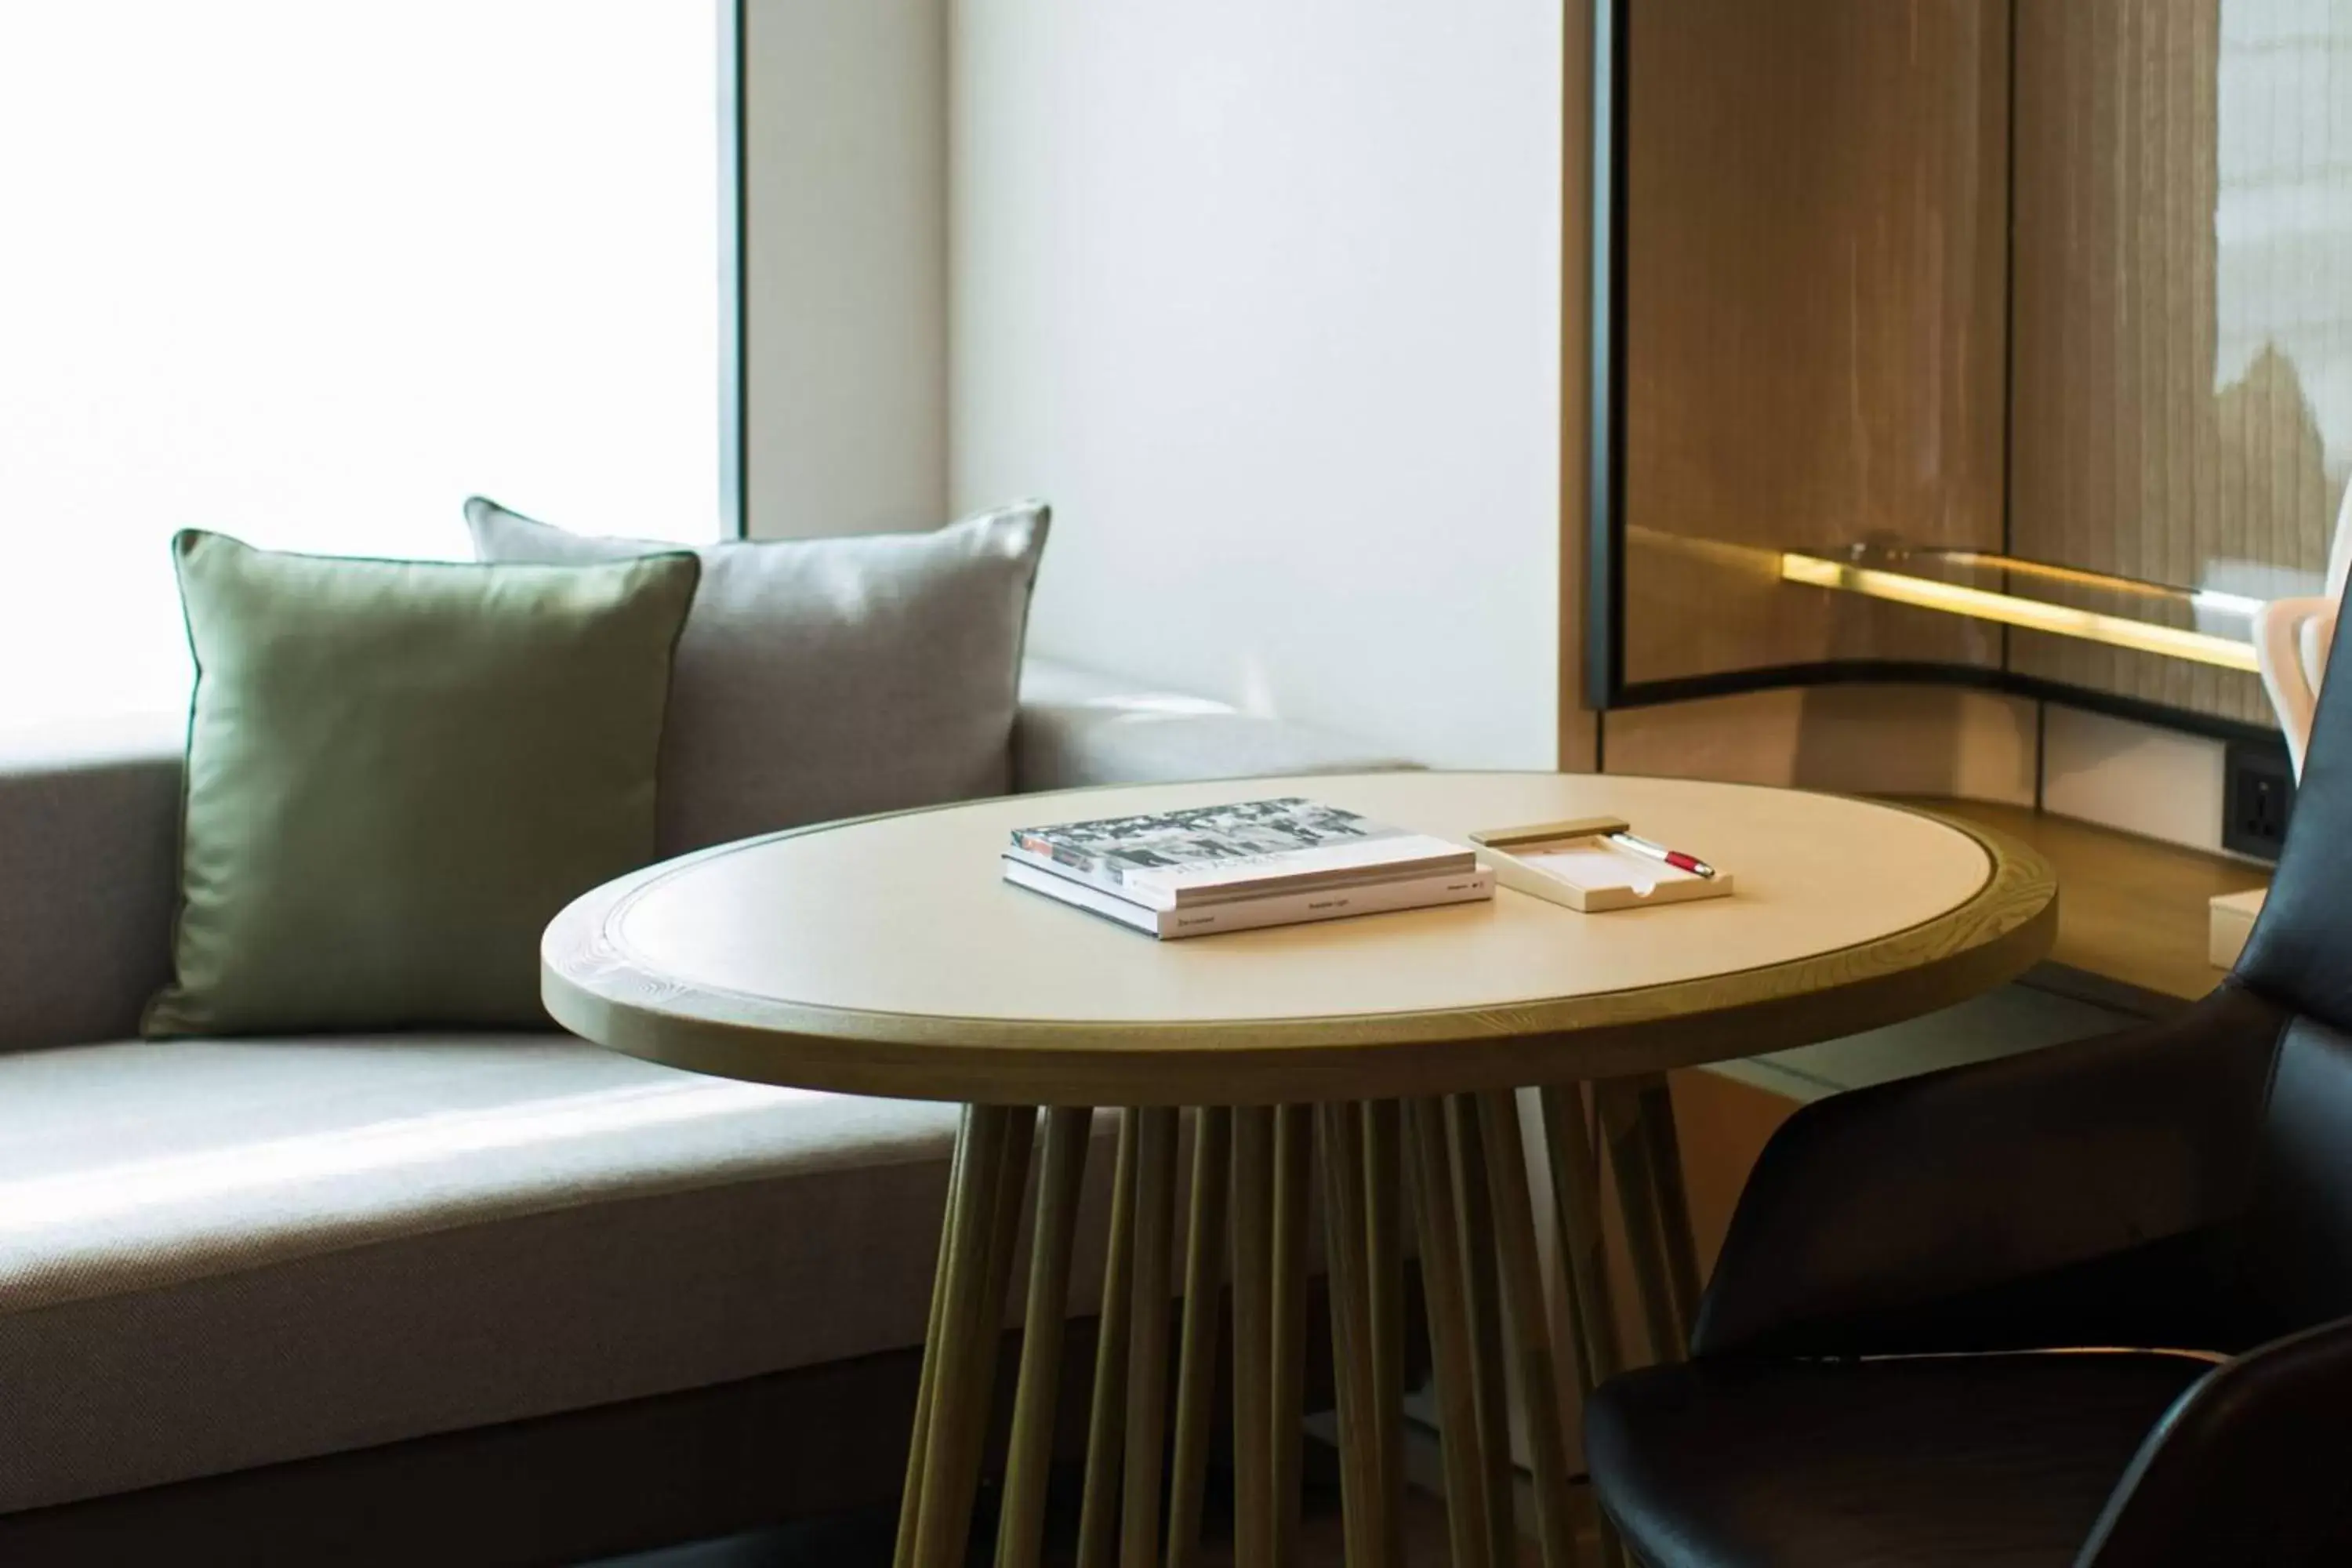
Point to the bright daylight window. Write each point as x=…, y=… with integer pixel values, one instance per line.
x=312, y=273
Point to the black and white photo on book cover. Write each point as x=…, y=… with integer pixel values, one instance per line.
x=1203, y=836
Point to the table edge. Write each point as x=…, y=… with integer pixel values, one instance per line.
x=2002, y=929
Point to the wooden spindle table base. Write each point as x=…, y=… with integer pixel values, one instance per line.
x=1458, y=1166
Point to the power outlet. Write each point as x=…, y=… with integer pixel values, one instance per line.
x=2257, y=797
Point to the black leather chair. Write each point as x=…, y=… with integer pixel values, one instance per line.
x=2086, y=1306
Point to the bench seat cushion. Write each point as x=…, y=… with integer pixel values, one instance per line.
x=219, y=1253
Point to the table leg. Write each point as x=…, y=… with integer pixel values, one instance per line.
x=1004, y=1220
x=1523, y=1303
x=1196, y=1391
x=1483, y=1310
x=1030, y=1456
x=1584, y=1258
x=1384, y=1293
x=1294, y=1175
x=1340, y=1137
x=1099, y=1514
x=1618, y=1103
x=919, y=1448
x=1147, y=1344
x=1434, y=1222
x=971, y=1325
x=1656, y=1107
x=1253, y=1268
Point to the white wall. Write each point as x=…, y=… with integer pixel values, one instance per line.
x=1265, y=295
x=846, y=278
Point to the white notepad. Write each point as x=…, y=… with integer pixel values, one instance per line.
x=1574, y=864
x=1594, y=863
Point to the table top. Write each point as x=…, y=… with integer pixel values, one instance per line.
x=885, y=957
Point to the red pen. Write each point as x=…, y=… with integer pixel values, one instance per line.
x=1674, y=858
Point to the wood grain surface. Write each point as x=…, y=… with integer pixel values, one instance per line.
x=2183, y=307
x=1845, y=216
x=886, y=957
x=1815, y=305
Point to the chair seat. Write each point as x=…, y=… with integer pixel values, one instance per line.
x=1913, y=1463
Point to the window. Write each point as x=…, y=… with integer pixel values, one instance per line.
x=312, y=274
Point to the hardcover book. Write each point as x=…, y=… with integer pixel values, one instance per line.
x=1289, y=908
x=1246, y=849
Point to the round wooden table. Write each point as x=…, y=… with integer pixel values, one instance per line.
x=885, y=956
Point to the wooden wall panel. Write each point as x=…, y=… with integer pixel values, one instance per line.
x=2182, y=310
x=1815, y=311
x=1861, y=739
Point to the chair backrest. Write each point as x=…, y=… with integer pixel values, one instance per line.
x=2300, y=953
x=2298, y=1235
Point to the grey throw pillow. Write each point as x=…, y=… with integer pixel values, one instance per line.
x=827, y=678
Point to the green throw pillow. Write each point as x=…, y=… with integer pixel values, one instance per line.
x=398, y=773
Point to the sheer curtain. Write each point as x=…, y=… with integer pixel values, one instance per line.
x=310, y=272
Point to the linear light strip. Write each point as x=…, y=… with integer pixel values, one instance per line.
x=2205, y=598
x=2117, y=631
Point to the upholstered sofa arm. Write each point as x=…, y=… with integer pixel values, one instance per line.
x=1078, y=728
x=89, y=822
x=2059, y=1197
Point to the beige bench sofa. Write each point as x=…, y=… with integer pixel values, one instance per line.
x=493, y=1297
